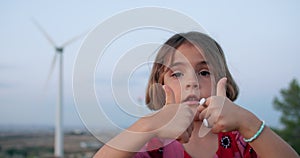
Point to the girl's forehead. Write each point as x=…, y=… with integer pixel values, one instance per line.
x=188, y=53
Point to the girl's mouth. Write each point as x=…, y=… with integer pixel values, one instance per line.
x=191, y=100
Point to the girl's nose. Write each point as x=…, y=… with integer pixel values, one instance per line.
x=192, y=85
x=190, y=81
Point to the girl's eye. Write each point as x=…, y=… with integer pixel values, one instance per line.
x=177, y=74
x=204, y=73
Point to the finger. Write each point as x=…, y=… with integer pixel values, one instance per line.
x=190, y=129
x=202, y=101
x=204, y=106
x=196, y=117
x=210, y=120
x=221, y=87
x=170, y=97
x=218, y=127
x=200, y=108
x=203, y=114
x=207, y=123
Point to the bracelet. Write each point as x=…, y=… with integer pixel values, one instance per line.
x=256, y=134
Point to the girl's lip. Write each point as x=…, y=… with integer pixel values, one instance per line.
x=191, y=102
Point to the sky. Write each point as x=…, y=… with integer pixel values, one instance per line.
x=259, y=38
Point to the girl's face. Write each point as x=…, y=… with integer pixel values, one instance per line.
x=189, y=76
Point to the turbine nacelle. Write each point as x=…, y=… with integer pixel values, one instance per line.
x=59, y=49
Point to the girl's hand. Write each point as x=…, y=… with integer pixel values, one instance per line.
x=221, y=113
x=173, y=120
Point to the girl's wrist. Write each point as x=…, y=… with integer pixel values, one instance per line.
x=144, y=124
x=249, y=124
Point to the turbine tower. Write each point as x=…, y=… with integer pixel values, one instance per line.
x=59, y=50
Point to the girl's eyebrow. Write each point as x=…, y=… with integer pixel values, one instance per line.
x=201, y=63
x=176, y=64
x=183, y=64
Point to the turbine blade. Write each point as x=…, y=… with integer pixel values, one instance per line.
x=51, y=70
x=73, y=39
x=43, y=32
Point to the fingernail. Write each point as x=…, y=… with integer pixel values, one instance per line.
x=202, y=101
x=205, y=123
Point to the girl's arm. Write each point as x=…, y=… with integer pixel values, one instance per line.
x=267, y=144
x=173, y=121
x=233, y=117
x=226, y=116
x=127, y=143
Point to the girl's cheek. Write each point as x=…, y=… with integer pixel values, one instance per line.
x=177, y=92
x=177, y=97
x=205, y=89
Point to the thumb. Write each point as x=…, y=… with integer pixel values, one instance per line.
x=170, y=97
x=221, y=87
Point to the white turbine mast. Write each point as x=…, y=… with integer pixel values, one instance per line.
x=59, y=50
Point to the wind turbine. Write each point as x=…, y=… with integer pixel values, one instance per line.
x=59, y=137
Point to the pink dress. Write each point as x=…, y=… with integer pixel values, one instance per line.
x=231, y=145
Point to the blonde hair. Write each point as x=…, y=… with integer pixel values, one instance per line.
x=155, y=97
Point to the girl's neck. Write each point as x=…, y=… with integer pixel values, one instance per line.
x=205, y=146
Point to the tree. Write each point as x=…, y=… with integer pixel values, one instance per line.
x=289, y=105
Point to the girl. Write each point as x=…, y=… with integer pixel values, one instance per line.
x=192, y=66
